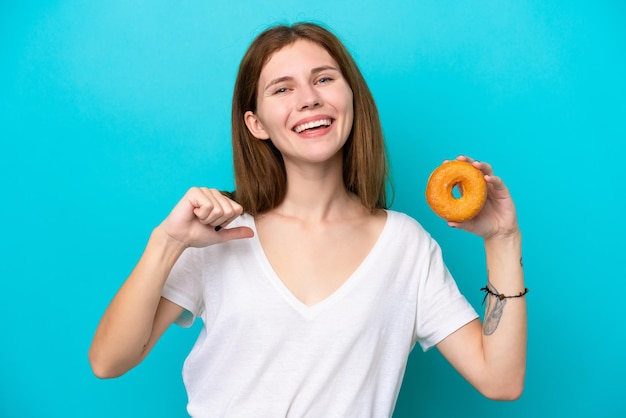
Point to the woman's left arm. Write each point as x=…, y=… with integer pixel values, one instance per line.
x=492, y=355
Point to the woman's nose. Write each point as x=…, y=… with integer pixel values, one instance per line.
x=309, y=98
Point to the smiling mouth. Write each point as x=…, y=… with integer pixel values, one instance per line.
x=322, y=123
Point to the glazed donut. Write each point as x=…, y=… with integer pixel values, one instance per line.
x=471, y=185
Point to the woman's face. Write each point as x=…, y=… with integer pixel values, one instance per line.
x=304, y=104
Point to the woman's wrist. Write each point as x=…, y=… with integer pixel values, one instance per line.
x=504, y=263
x=512, y=237
x=166, y=243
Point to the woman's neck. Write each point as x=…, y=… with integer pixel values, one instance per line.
x=316, y=192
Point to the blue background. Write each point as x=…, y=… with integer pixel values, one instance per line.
x=109, y=111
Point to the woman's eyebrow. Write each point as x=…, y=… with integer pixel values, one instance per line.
x=277, y=81
x=323, y=68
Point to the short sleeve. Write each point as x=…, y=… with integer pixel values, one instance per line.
x=441, y=308
x=184, y=286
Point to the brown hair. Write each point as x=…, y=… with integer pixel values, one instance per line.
x=260, y=177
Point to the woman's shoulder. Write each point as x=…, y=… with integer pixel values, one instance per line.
x=404, y=220
x=405, y=225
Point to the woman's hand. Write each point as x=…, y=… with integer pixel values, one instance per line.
x=138, y=314
x=200, y=219
x=498, y=217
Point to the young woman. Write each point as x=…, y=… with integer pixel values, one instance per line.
x=311, y=292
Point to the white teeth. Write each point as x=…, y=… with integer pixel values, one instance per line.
x=314, y=124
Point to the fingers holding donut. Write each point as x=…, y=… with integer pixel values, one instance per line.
x=498, y=215
x=484, y=167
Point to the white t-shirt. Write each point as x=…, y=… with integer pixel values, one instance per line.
x=263, y=353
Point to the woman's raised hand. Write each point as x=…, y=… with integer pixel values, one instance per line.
x=201, y=219
x=498, y=217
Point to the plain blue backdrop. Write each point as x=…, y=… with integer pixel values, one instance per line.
x=109, y=111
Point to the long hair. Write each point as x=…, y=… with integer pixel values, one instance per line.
x=260, y=177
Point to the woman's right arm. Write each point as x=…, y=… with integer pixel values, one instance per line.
x=138, y=315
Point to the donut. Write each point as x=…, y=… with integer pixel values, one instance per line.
x=471, y=186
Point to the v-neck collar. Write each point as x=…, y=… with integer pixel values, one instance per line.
x=311, y=311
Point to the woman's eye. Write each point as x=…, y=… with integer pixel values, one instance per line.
x=324, y=80
x=281, y=90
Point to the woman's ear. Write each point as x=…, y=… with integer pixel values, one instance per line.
x=255, y=126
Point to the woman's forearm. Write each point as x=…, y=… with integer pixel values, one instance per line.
x=127, y=323
x=505, y=320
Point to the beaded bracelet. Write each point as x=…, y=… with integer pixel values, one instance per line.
x=500, y=295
